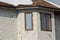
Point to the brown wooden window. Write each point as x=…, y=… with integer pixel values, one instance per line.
x=46, y=22
x=28, y=21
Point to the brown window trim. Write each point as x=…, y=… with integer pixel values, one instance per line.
x=50, y=22
x=25, y=21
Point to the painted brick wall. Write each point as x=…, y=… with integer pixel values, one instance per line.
x=12, y=26
x=8, y=26
x=46, y=35
x=27, y=35
x=36, y=34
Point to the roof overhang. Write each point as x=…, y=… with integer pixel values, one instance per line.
x=2, y=4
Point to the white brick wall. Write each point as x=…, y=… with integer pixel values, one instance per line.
x=36, y=34
x=46, y=35
x=12, y=26
x=27, y=35
x=8, y=24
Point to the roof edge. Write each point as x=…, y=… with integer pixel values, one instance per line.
x=3, y=4
x=7, y=5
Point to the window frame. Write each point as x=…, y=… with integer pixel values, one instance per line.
x=31, y=21
x=46, y=22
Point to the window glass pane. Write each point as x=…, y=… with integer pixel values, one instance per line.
x=43, y=25
x=28, y=21
x=48, y=22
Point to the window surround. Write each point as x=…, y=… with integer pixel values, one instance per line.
x=46, y=23
x=31, y=20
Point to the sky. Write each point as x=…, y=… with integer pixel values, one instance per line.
x=55, y=1
x=16, y=2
